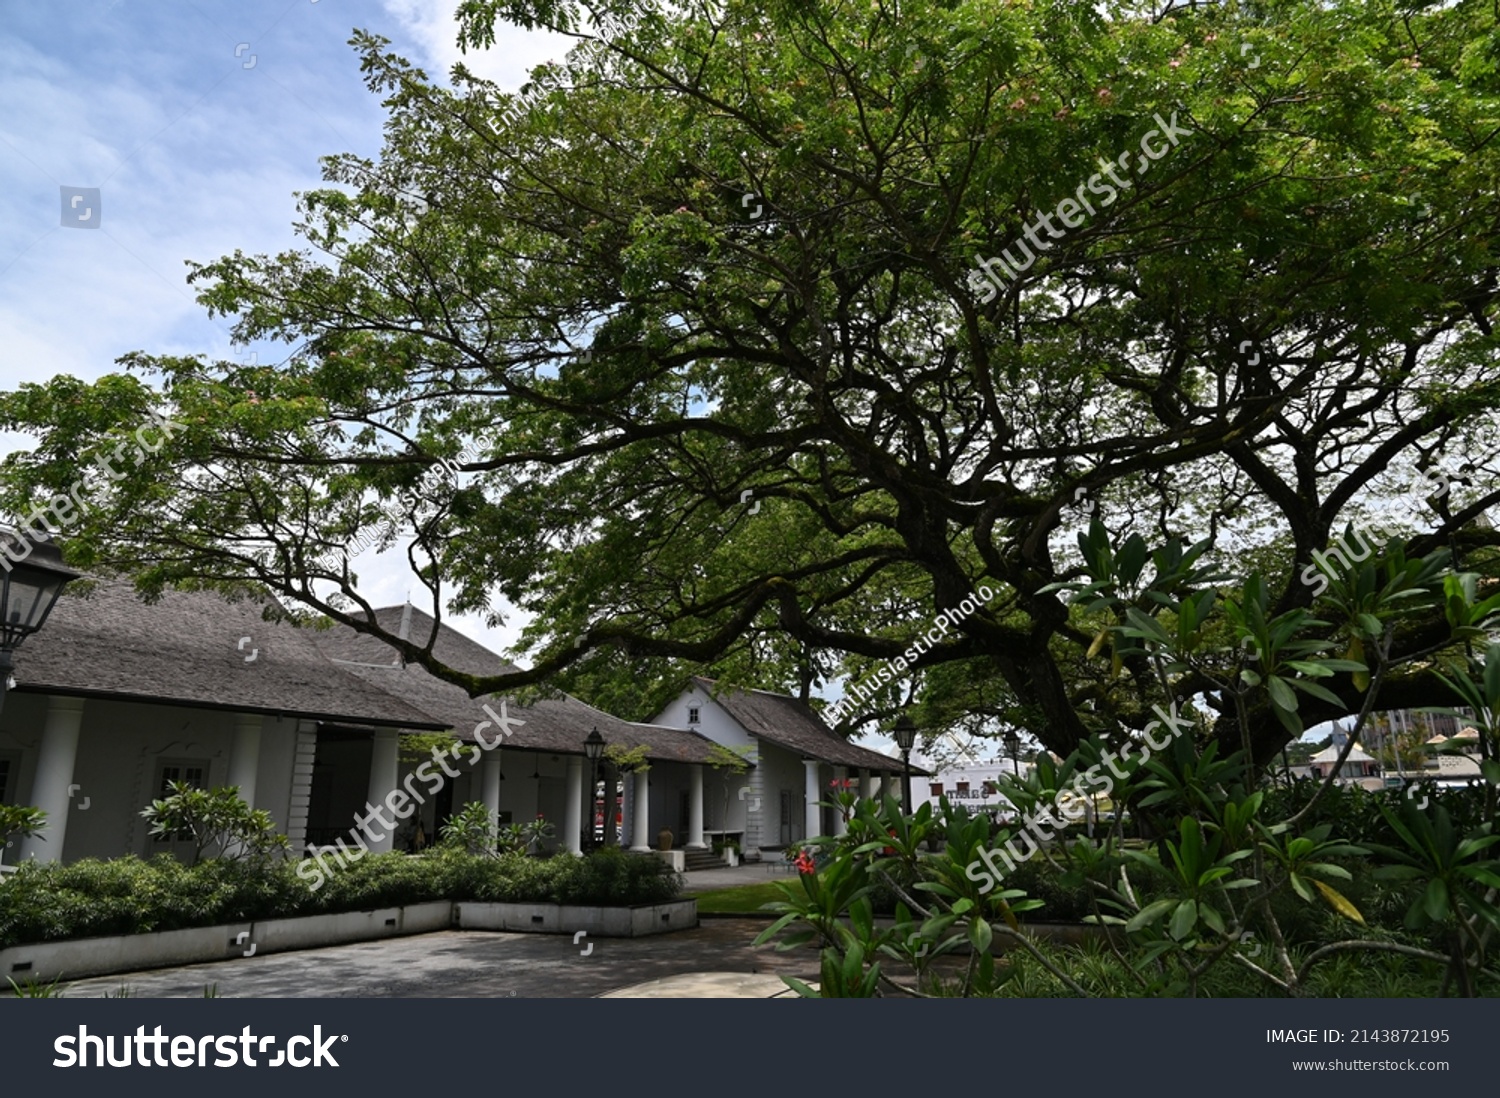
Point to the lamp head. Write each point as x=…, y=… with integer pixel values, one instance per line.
x=32, y=576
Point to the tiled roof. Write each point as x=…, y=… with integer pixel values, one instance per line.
x=103, y=640
x=790, y=723
x=555, y=725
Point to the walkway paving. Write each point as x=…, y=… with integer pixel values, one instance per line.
x=709, y=985
x=710, y=880
x=714, y=960
x=466, y=964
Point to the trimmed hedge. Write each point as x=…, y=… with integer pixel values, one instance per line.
x=47, y=902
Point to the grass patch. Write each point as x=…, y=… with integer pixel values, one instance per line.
x=741, y=900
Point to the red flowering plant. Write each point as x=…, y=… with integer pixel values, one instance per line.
x=807, y=858
x=940, y=906
x=845, y=797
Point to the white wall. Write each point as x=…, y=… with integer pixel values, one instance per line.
x=120, y=745
x=780, y=770
x=714, y=721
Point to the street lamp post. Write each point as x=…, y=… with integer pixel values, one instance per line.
x=28, y=589
x=593, y=748
x=905, y=733
x=1013, y=745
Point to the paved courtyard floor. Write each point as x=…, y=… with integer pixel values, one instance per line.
x=465, y=964
x=710, y=880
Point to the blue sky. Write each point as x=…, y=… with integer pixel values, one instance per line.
x=197, y=121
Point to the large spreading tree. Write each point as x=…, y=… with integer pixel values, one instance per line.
x=696, y=316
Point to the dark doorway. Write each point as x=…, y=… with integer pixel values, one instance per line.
x=442, y=807
x=340, y=783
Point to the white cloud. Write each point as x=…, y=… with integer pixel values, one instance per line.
x=431, y=24
x=196, y=156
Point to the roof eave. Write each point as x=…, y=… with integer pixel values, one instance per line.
x=224, y=707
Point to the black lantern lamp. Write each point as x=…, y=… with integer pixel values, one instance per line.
x=905, y=733
x=1013, y=745
x=29, y=587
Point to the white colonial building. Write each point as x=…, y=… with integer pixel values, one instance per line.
x=796, y=760
x=115, y=697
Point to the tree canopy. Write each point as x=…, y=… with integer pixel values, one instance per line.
x=703, y=323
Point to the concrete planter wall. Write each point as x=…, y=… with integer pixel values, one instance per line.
x=677, y=859
x=81, y=957
x=604, y=922
x=311, y=931
x=100, y=956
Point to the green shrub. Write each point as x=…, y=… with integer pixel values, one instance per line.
x=216, y=822
x=883, y=897
x=1063, y=900
x=43, y=902
x=612, y=872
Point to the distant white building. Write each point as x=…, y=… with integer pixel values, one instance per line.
x=1454, y=760
x=972, y=785
x=1358, y=769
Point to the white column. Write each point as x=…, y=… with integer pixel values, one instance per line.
x=489, y=784
x=867, y=783
x=383, y=765
x=573, y=807
x=51, y=790
x=813, y=791
x=640, y=832
x=244, y=755
x=695, y=808
x=840, y=773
